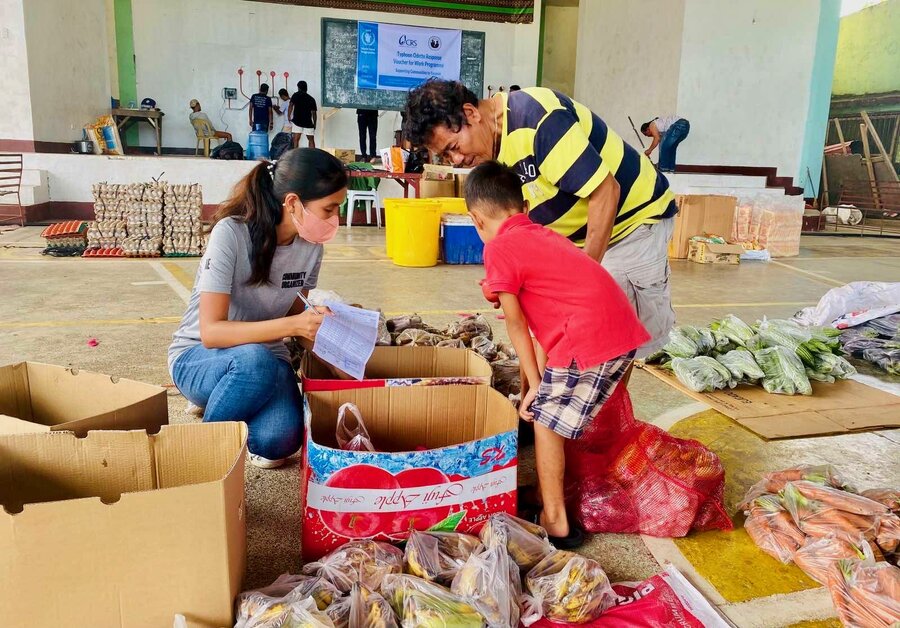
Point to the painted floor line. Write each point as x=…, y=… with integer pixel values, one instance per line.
x=759, y=304
x=784, y=609
x=665, y=551
x=157, y=320
x=148, y=283
x=828, y=280
x=669, y=418
x=163, y=270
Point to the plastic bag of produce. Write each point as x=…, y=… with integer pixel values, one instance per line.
x=363, y=561
x=742, y=366
x=437, y=556
x=566, y=587
x=736, y=330
x=289, y=611
x=452, y=343
x=272, y=600
x=402, y=323
x=775, y=481
x=485, y=347
x=681, y=342
x=784, y=372
x=831, y=365
x=507, y=378
x=866, y=594
x=417, y=338
x=890, y=497
x=886, y=358
x=384, y=336
x=469, y=327
x=702, y=374
x=772, y=528
x=821, y=510
x=526, y=542
x=818, y=558
x=489, y=581
x=422, y=604
x=351, y=432
x=362, y=608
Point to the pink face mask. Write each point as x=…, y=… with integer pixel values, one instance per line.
x=314, y=229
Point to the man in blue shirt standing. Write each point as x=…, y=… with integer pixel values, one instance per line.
x=261, y=110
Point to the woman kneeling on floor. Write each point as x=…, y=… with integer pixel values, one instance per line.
x=228, y=355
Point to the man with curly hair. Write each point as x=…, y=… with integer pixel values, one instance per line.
x=578, y=177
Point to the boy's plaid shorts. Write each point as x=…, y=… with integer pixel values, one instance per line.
x=568, y=399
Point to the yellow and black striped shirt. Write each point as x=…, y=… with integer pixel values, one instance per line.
x=562, y=152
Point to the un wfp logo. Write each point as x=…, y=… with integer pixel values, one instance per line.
x=434, y=43
x=368, y=38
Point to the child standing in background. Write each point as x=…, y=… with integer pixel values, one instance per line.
x=578, y=315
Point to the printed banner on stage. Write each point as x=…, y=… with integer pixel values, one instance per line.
x=398, y=58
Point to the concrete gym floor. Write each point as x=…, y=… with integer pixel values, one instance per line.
x=50, y=308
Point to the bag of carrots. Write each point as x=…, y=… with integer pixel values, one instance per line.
x=773, y=529
x=775, y=481
x=890, y=497
x=819, y=557
x=821, y=510
x=865, y=594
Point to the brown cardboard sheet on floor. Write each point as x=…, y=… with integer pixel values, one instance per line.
x=839, y=408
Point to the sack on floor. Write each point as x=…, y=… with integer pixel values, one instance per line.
x=281, y=143
x=228, y=151
x=624, y=475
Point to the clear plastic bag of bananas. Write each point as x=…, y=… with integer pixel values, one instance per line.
x=437, y=556
x=566, y=587
x=362, y=608
x=422, y=604
x=275, y=599
x=363, y=561
x=490, y=582
x=287, y=613
x=526, y=542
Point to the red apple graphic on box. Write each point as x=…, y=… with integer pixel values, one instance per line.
x=403, y=522
x=357, y=525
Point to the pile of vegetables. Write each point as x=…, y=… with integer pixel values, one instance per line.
x=877, y=342
x=846, y=541
x=779, y=355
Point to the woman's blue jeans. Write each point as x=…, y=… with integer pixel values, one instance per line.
x=245, y=383
x=669, y=144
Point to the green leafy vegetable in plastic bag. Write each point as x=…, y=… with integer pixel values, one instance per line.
x=702, y=374
x=734, y=329
x=784, y=372
x=681, y=342
x=742, y=366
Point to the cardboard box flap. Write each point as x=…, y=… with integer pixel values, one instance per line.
x=53, y=395
x=411, y=362
x=843, y=406
x=12, y=425
x=187, y=455
x=726, y=249
x=404, y=418
x=59, y=466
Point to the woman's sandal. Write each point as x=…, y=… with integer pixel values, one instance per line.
x=573, y=540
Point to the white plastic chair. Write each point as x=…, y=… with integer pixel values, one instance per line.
x=370, y=198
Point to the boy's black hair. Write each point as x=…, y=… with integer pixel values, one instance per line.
x=644, y=127
x=494, y=188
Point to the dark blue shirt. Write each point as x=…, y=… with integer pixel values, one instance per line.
x=262, y=106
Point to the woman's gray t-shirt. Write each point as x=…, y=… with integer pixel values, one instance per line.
x=225, y=268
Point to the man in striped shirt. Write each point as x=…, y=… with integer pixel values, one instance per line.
x=579, y=178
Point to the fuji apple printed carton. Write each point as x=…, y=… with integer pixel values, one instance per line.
x=455, y=464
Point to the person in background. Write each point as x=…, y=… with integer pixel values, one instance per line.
x=303, y=115
x=579, y=177
x=367, y=122
x=228, y=354
x=261, y=110
x=197, y=114
x=576, y=311
x=281, y=106
x=514, y=88
x=667, y=133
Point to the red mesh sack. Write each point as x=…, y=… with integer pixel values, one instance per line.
x=624, y=475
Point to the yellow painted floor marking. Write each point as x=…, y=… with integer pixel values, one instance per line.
x=180, y=274
x=817, y=276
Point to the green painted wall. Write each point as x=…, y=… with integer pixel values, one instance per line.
x=868, y=51
x=125, y=62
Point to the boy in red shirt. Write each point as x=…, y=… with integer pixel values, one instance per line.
x=578, y=315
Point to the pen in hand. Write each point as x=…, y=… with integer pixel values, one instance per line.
x=309, y=305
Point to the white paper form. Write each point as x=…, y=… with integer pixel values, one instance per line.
x=347, y=339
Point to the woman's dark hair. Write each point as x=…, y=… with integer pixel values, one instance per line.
x=493, y=188
x=258, y=198
x=434, y=103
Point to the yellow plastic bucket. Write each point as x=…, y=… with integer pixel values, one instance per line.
x=394, y=211
x=452, y=205
x=414, y=231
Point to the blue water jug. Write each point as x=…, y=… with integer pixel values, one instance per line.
x=258, y=144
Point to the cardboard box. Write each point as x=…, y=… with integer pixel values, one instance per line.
x=433, y=172
x=437, y=189
x=403, y=366
x=122, y=529
x=461, y=185
x=700, y=214
x=838, y=408
x=346, y=155
x=37, y=397
x=451, y=463
x=713, y=253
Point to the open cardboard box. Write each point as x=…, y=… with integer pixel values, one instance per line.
x=838, y=408
x=700, y=214
x=37, y=397
x=714, y=253
x=121, y=529
x=451, y=463
x=403, y=366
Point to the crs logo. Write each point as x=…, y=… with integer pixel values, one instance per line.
x=434, y=43
x=406, y=41
x=368, y=38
